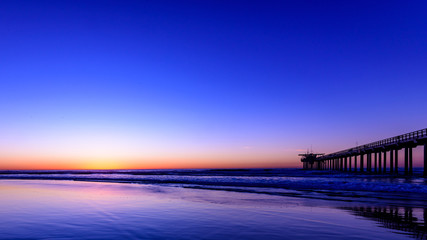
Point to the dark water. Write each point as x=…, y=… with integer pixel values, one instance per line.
x=210, y=204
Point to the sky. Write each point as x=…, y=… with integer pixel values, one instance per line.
x=205, y=84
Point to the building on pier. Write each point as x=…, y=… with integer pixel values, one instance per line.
x=309, y=160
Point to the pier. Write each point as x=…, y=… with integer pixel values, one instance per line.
x=380, y=157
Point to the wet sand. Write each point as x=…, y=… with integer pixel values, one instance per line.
x=41, y=209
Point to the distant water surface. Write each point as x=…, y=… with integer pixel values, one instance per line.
x=286, y=182
x=210, y=204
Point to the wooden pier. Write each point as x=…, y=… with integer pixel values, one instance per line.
x=379, y=157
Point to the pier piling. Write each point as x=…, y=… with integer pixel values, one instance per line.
x=425, y=159
x=410, y=160
x=355, y=162
x=406, y=161
x=345, y=164
x=396, y=161
x=376, y=162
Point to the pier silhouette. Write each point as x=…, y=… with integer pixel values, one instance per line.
x=379, y=155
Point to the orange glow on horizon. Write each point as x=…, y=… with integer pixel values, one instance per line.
x=155, y=163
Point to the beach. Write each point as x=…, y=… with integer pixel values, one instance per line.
x=215, y=120
x=36, y=207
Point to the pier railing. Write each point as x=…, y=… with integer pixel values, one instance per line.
x=404, y=138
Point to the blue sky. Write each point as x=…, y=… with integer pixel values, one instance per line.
x=207, y=83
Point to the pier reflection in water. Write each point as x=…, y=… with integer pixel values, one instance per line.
x=413, y=221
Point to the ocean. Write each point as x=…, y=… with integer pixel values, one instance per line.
x=211, y=204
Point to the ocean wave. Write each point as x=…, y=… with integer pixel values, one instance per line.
x=292, y=179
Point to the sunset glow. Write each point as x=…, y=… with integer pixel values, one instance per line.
x=204, y=85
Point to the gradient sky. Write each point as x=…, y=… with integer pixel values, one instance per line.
x=201, y=84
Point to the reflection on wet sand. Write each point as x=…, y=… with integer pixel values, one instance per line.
x=86, y=210
x=407, y=219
